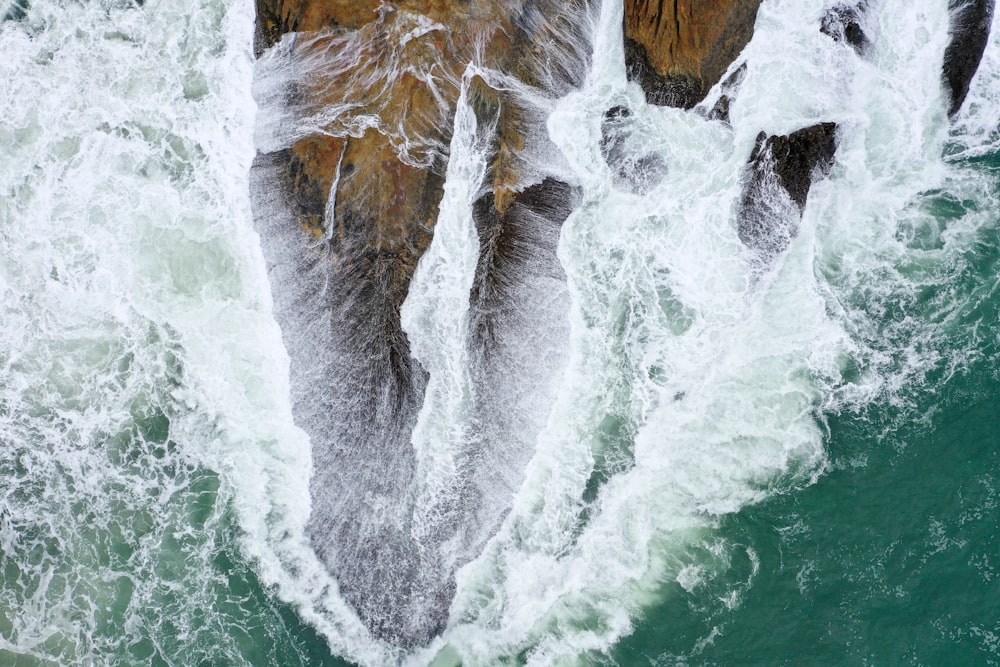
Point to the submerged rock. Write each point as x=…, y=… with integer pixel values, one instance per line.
x=720, y=110
x=968, y=33
x=846, y=23
x=776, y=184
x=678, y=50
x=632, y=168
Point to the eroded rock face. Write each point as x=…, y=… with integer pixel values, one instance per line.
x=518, y=309
x=968, y=33
x=357, y=101
x=780, y=171
x=678, y=50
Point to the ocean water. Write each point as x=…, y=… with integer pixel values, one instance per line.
x=784, y=463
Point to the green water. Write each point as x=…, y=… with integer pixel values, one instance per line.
x=893, y=556
x=141, y=408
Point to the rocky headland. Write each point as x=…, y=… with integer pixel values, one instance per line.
x=357, y=102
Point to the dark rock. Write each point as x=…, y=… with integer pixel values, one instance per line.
x=780, y=171
x=682, y=91
x=632, y=168
x=720, y=110
x=845, y=23
x=968, y=32
x=519, y=320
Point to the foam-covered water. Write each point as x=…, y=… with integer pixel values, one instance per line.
x=154, y=491
x=698, y=386
x=144, y=387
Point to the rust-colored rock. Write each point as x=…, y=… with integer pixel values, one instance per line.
x=276, y=17
x=678, y=50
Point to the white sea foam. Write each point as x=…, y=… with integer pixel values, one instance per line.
x=144, y=389
x=144, y=386
x=718, y=382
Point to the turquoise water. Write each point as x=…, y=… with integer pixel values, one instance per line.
x=890, y=559
x=893, y=556
x=798, y=466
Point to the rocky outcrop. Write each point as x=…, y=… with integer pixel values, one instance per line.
x=776, y=184
x=847, y=23
x=678, y=50
x=357, y=100
x=968, y=33
x=720, y=110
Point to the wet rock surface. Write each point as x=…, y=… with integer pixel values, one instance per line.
x=847, y=23
x=357, y=101
x=330, y=308
x=968, y=33
x=776, y=184
x=730, y=87
x=678, y=50
x=508, y=243
x=632, y=168
x=519, y=306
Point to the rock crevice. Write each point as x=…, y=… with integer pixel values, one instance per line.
x=357, y=102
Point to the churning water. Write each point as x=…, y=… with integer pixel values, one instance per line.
x=737, y=462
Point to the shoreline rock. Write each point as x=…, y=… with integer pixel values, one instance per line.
x=678, y=50
x=846, y=23
x=968, y=33
x=358, y=101
x=779, y=173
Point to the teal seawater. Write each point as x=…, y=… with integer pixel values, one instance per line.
x=893, y=556
x=120, y=546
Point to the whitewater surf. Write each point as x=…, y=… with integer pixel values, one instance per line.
x=644, y=442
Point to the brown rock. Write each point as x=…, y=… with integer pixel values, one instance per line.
x=678, y=50
x=345, y=202
x=276, y=17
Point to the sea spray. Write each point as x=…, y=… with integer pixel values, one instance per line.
x=145, y=422
x=695, y=390
x=154, y=489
